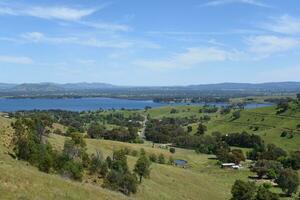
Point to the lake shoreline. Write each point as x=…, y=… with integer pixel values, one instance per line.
x=97, y=103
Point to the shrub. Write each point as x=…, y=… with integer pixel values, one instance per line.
x=72, y=169
x=243, y=190
x=128, y=184
x=172, y=150
x=134, y=153
x=153, y=157
x=161, y=159
x=171, y=160
x=288, y=181
x=284, y=133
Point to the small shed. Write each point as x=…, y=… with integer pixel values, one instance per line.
x=230, y=165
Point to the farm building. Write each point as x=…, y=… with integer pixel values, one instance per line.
x=230, y=165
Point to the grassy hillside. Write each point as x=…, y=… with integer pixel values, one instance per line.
x=269, y=125
x=168, y=182
x=202, y=180
x=204, y=177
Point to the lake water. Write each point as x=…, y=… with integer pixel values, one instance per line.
x=82, y=104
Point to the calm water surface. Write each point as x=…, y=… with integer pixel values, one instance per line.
x=82, y=104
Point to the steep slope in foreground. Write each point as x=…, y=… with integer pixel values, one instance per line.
x=18, y=180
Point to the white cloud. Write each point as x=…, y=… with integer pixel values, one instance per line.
x=15, y=59
x=191, y=57
x=225, y=2
x=266, y=45
x=106, y=26
x=284, y=24
x=40, y=37
x=109, y=41
x=46, y=12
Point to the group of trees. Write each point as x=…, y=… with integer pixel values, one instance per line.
x=97, y=131
x=271, y=162
x=30, y=144
x=118, y=176
x=243, y=139
x=163, y=131
x=208, y=109
x=80, y=121
x=249, y=191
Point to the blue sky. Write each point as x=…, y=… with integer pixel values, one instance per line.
x=157, y=42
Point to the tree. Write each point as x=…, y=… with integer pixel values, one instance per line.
x=282, y=106
x=172, y=150
x=288, y=181
x=96, y=163
x=161, y=159
x=264, y=194
x=153, y=157
x=293, y=161
x=189, y=129
x=142, y=167
x=75, y=147
x=298, y=96
x=201, y=129
x=269, y=168
x=238, y=155
x=119, y=162
x=96, y=130
x=243, y=190
x=236, y=115
x=128, y=184
x=272, y=153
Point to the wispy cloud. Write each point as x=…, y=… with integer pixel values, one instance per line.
x=38, y=37
x=225, y=2
x=15, y=59
x=46, y=12
x=284, y=24
x=216, y=33
x=105, y=26
x=191, y=57
x=266, y=45
x=106, y=41
x=62, y=13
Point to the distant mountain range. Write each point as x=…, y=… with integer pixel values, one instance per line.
x=55, y=90
x=52, y=87
x=272, y=86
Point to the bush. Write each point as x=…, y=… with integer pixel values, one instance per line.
x=171, y=160
x=153, y=157
x=264, y=194
x=172, y=150
x=243, y=190
x=72, y=169
x=128, y=184
x=161, y=159
x=288, y=181
x=284, y=133
x=134, y=153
